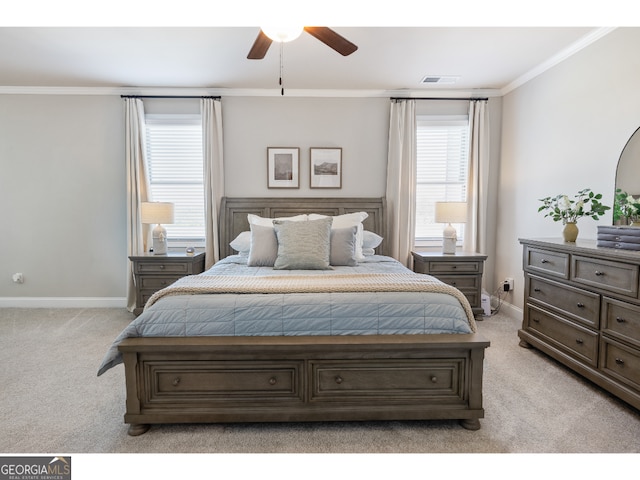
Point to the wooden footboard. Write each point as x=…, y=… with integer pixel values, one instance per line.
x=307, y=378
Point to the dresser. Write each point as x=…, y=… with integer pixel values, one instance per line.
x=462, y=270
x=154, y=272
x=582, y=307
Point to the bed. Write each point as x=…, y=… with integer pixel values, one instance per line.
x=254, y=341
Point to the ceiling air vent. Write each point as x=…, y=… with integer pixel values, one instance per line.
x=440, y=79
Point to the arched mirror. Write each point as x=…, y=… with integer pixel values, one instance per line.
x=628, y=171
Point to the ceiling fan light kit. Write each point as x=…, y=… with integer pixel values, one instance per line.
x=282, y=34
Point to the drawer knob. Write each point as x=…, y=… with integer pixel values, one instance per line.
x=619, y=361
x=536, y=290
x=273, y=381
x=339, y=379
x=620, y=320
x=580, y=305
x=434, y=379
x=599, y=273
x=544, y=260
x=176, y=381
x=453, y=284
x=537, y=320
x=579, y=341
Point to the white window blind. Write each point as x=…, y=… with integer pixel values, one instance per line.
x=442, y=168
x=175, y=169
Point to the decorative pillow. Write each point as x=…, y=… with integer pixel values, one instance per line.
x=242, y=243
x=303, y=245
x=343, y=246
x=368, y=251
x=348, y=220
x=264, y=246
x=370, y=239
x=268, y=222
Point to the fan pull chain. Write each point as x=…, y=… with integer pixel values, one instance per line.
x=281, y=67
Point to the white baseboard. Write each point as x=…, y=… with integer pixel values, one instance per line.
x=509, y=310
x=63, y=302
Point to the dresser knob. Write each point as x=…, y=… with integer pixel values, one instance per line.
x=544, y=261
x=536, y=290
x=537, y=320
x=619, y=361
x=579, y=341
x=434, y=379
x=580, y=305
x=273, y=381
x=176, y=381
x=339, y=379
x=599, y=273
x=620, y=320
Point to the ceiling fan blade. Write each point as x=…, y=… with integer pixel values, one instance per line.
x=332, y=39
x=260, y=47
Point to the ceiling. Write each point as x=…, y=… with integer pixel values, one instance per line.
x=388, y=59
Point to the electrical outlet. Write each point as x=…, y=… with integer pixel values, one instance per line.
x=17, y=278
x=508, y=284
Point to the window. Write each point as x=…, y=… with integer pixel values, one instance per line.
x=442, y=167
x=175, y=170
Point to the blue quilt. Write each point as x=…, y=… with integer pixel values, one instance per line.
x=341, y=313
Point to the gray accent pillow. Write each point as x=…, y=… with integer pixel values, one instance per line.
x=264, y=246
x=343, y=246
x=303, y=245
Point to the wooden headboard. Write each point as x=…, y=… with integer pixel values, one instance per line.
x=233, y=213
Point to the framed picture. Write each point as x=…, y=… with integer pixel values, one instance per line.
x=326, y=168
x=283, y=167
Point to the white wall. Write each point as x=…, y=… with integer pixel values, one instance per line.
x=562, y=132
x=62, y=196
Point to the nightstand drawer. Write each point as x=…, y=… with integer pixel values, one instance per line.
x=437, y=268
x=181, y=268
x=157, y=282
x=461, y=281
x=615, y=277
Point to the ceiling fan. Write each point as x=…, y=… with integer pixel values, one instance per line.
x=324, y=34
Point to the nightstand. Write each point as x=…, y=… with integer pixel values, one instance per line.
x=462, y=270
x=154, y=272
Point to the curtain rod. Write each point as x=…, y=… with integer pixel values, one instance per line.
x=170, y=96
x=474, y=99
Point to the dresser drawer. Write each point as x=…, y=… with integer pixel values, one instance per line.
x=577, y=340
x=436, y=268
x=546, y=261
x=580, y=305
x=621, y=362
x=618, y=277
x=418, y=379
x=180, y=268
x=195, y=382
x=621, y=320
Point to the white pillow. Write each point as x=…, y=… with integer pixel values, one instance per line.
x=242, y=243
x=348, y=220
x=370, y=240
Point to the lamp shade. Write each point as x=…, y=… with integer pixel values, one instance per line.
x=451, y=212
x=157, y=212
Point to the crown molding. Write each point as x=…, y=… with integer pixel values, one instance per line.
x=243, y=92
x=572, y=49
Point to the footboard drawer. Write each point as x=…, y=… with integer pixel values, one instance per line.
x=418, y=379
x=211, y=381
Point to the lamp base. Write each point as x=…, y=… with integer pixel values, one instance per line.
x=449, y=240
x=159, y=240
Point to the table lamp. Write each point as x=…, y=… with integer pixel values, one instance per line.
x=450, y=212
x=158, y=213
